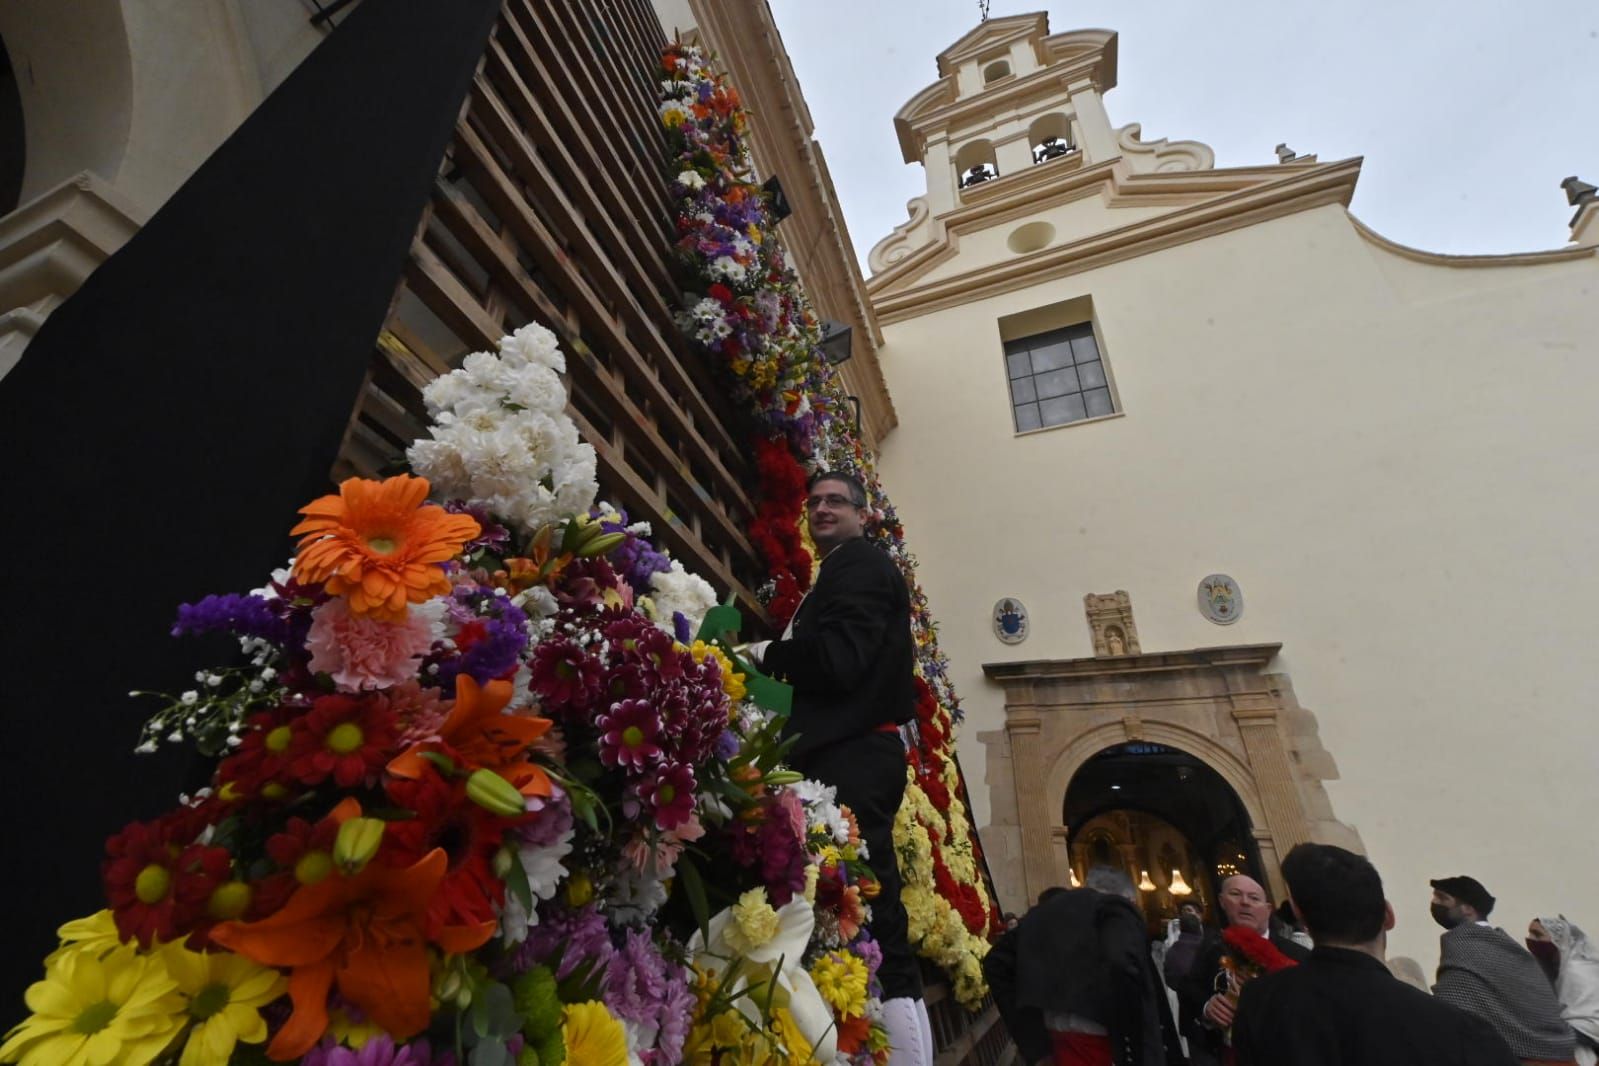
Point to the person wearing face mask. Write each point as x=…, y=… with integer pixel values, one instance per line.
x=1483, y=971
x=1193, y=937
x=1573, y=965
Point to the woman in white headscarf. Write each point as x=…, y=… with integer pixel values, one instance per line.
x=1576, y=980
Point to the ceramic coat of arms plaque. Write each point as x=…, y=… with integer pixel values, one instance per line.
x=1220, y=600
x=1010, y=621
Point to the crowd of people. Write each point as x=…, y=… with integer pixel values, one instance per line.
x=1079, y=983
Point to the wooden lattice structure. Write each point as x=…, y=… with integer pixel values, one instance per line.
x=551, y=205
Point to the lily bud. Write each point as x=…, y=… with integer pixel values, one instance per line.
x=784, y=777
x=600, y=545
x=503, y=860
x=494, y=793
x=357, y=842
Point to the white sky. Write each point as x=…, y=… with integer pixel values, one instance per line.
x=1468, y=114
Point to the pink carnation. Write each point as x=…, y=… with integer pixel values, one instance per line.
x=360, y=652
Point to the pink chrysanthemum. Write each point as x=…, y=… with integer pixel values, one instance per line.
x=628, y=734
x=668, y=791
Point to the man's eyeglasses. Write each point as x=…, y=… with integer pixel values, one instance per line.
x=832, y=499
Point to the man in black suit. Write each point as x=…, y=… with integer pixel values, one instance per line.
x=1201, y=993
x=848, y=654
x=1343, y=1007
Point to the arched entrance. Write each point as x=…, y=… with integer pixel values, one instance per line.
x=1076, y=727
x=1162, y=815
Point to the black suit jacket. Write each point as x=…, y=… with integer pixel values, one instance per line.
x=1085, y=953
x=1343, y=1008
x=850, y=658
x=1195, y=989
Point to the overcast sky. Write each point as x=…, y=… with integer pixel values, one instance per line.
x=1468, y=114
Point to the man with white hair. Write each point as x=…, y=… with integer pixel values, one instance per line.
x=1207, y=992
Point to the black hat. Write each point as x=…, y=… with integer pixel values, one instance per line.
x=1467, y=890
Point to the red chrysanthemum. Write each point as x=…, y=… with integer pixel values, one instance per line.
x=667, y=793
x=261, y=759
x=564, y=676
x=347, y=738
x=159, y=883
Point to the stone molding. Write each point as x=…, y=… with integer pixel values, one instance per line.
x=1510, y=259
x=48, y=246
x=1217, y=704
x=1255, y=198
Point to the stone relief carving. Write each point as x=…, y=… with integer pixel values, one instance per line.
x=1110, y=620
x=1162, y=156
x=907, y=237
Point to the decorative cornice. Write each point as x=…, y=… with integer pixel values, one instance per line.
x=990, y=34
x=1254, y=656
x=895, y=296
x=1512, y=259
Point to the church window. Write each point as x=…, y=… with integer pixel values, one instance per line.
x=1056, y=378
x=995, y=71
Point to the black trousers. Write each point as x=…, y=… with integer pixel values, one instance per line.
x=869, y=774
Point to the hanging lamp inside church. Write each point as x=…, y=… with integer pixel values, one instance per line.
x=1178, y=886
x=1144, y=883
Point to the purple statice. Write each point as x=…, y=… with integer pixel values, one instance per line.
x=727, y=745
x=871, y=953
x=635, y=559
x=491, y=636
x=566, y=939
x=643, y=988
x=246, y=616
x=378, y=1051
x=680, y=626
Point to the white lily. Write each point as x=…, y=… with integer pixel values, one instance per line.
x=778, y=958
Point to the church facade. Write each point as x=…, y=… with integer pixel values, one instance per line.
x=1297, y=518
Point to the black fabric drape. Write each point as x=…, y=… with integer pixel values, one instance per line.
x=170, y=417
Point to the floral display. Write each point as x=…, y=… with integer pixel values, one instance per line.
x=481, y=798
x=745, y=308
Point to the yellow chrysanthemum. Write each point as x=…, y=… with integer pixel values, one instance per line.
x=95, y=934
x=789, y=1037
x=841, y=980
x=593, y=1036
x=123, y=1007
x=224, y=994
x=754, y=922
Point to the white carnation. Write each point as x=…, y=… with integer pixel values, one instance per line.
x=677, y=590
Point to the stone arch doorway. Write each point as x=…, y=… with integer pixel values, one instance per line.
x=1162, y=815
x=1235, y=726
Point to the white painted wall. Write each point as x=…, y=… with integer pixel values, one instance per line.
x=1398, y=462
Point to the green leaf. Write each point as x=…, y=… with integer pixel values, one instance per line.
x=694, y=885
x=445, y=764
x=491, y=1053
x=494, y=1014
x=516, y=883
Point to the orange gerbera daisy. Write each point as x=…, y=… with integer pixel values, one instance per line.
x=379, y=546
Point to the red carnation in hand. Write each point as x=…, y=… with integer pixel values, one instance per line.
x=1255, y=950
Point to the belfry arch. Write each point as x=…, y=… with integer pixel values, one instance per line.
x=1216, y=705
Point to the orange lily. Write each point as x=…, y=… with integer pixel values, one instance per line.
x=363, y=933
x=481, y=737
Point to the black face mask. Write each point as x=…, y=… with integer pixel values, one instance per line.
x=1548, y=956
x=1441, y=915
x=1188, y=922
